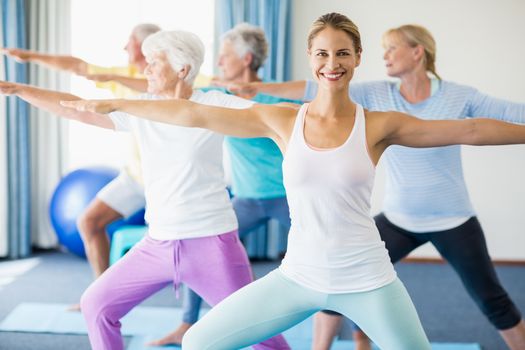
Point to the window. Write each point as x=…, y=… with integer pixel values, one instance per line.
x=100, y=29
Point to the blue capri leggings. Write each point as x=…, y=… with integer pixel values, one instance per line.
x=274, y=303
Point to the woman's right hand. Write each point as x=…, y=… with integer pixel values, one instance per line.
x=9, y=88
x=18, y=54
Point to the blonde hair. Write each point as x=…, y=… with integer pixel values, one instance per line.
x=339, y=22
x=415, y=35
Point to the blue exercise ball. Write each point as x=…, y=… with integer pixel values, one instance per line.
x=72, y=196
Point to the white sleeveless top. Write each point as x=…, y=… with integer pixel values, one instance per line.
x=333, y=244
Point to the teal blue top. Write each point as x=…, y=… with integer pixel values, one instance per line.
x=257, y=162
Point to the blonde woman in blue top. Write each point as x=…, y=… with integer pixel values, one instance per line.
x=335, y=259
x=426, y=198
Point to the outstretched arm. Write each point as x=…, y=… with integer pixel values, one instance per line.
x=137, y=84
x=293, y=90
x=409, y=131
x=258, y=121
x=60, y=62
x=50, y=101
x=481, y=105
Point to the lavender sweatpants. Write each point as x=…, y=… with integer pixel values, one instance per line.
x=213, y=266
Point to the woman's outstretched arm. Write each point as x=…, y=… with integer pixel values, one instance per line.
x=257, y=121
x=50, y=101
x=293, y=90
x=60, y=62
x=409, y=131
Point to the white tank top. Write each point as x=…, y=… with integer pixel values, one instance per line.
x=333, y=244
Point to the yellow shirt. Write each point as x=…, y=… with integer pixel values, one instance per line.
x=202, y=81
x=118, y=90
x=132, y=167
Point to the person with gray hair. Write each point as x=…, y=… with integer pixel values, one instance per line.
x=257, y=183
x=78, y=66
x=183, y=51
x=249, y=42
x=190, y=240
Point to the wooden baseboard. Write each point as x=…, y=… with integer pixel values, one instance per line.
x=497, y=262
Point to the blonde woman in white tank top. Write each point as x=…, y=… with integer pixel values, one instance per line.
x=335, y=259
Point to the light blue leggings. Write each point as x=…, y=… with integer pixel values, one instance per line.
x=274, y=303
x=251, y=213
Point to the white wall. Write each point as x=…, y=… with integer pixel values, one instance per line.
x=480, y=43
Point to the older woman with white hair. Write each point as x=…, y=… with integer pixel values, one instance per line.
x=192, y=234
x=256, y=172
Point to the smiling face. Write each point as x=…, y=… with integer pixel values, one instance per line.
x=161, y=76
x=333, y=58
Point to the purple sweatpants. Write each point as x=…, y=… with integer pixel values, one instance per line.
x=213, y=266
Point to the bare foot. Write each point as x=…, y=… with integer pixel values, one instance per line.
x=172, y=338
x=73, y=308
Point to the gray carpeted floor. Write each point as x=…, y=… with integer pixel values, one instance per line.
x=446, y=311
